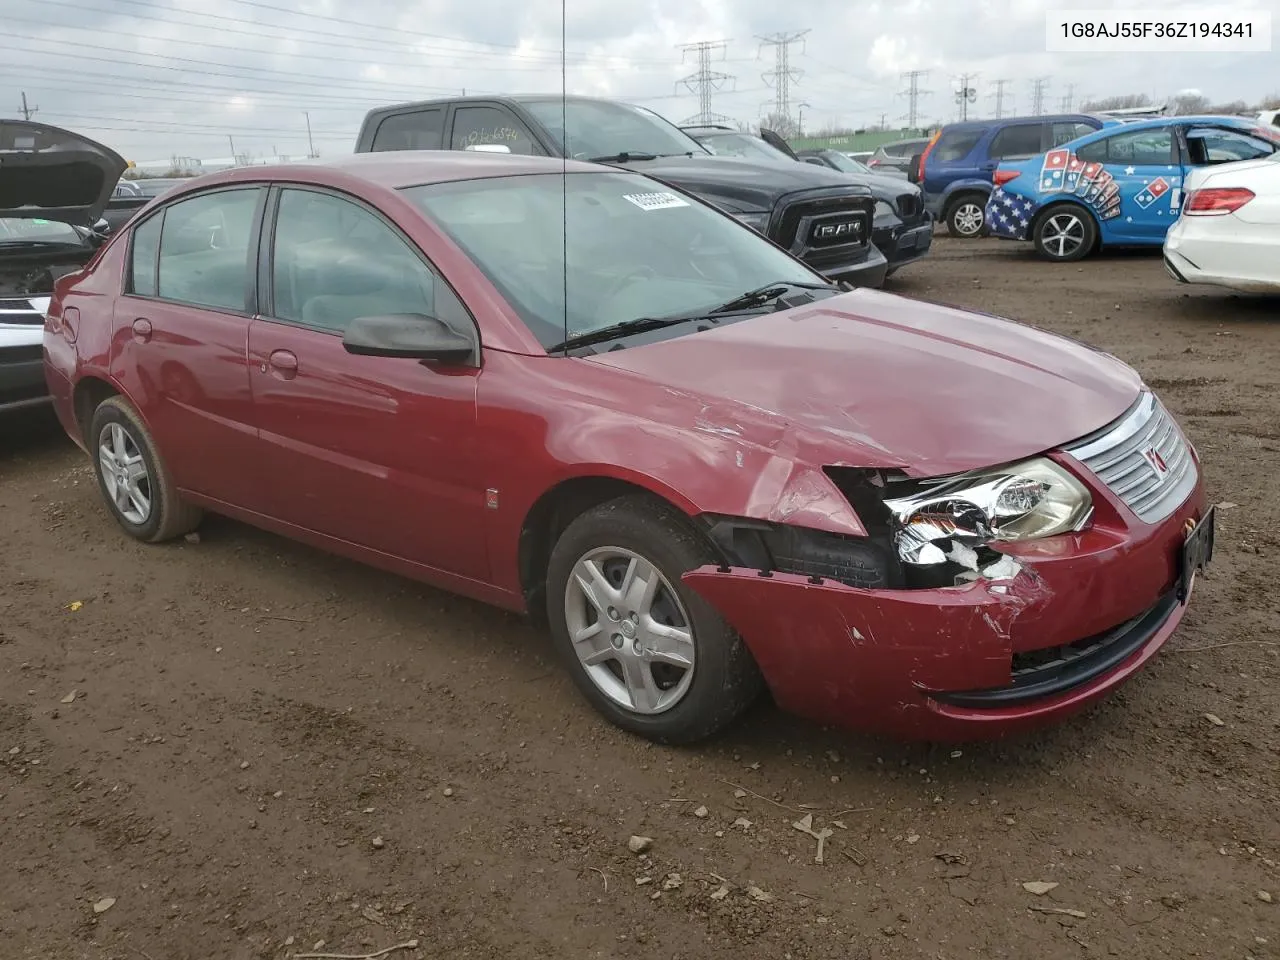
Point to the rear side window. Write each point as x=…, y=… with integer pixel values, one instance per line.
x=420, y=130
x=490, y=126
x=204, y=249
x=1065, y=132
x=1019, y=141
x=142, y=264
x=1140, y=147
x=955, y=146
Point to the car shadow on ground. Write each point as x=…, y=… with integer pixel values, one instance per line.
x=465, y=630
x=29, y=434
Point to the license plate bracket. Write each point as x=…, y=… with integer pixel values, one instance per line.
x=1196, y=553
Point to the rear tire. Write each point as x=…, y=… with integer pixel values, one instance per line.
x=133, y=478
x=1065, y=232
x=966, y=216
x=638, y=622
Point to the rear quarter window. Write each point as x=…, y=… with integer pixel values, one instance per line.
x=419, y=130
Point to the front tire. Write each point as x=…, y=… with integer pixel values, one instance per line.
x=133, y=478
x=1065, y=233
x=648, y=653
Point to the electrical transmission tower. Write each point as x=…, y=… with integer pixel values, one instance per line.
x=1038, y=87
x=1068, y=99
x=783, y=74
x=704, y=81
x=966, y=94
x=913, y=93
x=1001, y=99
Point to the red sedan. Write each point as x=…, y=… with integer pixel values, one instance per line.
x=575, y=392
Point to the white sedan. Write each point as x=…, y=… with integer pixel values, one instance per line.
x=1229, y=231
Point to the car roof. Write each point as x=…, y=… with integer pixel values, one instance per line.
x=405, y=168
x=1155, y=123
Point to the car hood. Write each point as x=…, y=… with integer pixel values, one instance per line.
x=757, y=185
x=868, y=379
x=53, y=174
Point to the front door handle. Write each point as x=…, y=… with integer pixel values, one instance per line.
x=142, y=330
x=283, y=364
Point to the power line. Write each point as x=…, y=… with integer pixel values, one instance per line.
x=966, y=94
x=705, y=81
x=913, y=93
x=27, y=111
x=1038, y=87
x=782, y=74
x=1000, y=96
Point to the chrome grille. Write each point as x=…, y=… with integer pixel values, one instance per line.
x=1143, y=458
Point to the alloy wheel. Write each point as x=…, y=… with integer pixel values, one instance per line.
x=968, y=219
x=630, y=630
x=124, y=473
x=1062, y=235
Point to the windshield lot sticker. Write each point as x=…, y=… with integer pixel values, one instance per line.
x=655, y=201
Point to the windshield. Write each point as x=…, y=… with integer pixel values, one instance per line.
x=842, y=161
x=603, y=128
x=745, y=145
x=16, y=229
x=634, y=249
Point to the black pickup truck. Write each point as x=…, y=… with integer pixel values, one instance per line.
x=816, y=214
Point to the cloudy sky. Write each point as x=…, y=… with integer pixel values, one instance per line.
x=155, y=78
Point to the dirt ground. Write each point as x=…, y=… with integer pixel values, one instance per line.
x=269, y=747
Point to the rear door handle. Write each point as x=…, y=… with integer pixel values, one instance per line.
x=142, y=330
x=283, y=364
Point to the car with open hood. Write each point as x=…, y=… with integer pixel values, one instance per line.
x=575, y=392
x=54, y=186
x=817, y=215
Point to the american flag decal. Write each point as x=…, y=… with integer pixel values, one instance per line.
x=1008, y=214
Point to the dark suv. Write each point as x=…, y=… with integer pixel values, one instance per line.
x=956, y=167
x=818, y=215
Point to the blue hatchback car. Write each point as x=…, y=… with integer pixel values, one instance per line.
x=956, y=167
x=1120, y=186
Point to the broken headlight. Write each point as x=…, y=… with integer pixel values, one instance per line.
x=954, y=518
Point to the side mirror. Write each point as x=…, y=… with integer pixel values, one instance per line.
x=102, y=228
x=488, y=148
x=914, y=173
x=413, y=336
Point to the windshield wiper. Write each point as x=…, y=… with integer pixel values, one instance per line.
x=638, y=325
x=623, y=156
x=770, y=291
x=750, y=302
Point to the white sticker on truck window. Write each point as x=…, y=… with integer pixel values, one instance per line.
x=655, y=201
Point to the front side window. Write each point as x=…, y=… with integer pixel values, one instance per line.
x=491, y=127
x=335, y=261
x=604, y=128
x=1019, y=141
x=634, y=248
x=204, y=249
x=1066, y=132
x=1210, y=145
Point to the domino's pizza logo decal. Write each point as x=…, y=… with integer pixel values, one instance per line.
x=1152, y=192
x=1063, y=172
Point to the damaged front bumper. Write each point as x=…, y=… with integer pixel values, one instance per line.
x=1083, y=613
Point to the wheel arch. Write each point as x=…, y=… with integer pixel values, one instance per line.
x=1044, y=211
x=86, y=396
x=557, y=507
